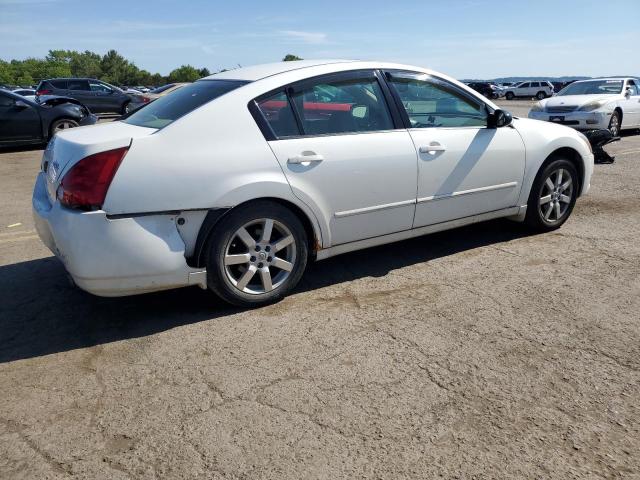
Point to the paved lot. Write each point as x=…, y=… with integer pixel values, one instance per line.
x=483, y=352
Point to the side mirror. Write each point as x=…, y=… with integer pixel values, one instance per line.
x=21, y=104
x=499, y=118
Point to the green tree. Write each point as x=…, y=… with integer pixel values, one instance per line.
x=6, y=73
x=185, y=73
x=115, y=68
x=291, y=58
x=204, y=72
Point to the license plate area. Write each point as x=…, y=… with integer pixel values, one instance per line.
x=557, y=118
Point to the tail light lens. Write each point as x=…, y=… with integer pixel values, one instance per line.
x=146, y=99
x=44, y=91
x=85, y=186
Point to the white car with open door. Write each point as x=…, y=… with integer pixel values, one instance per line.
x=603, y=103
x=233, y=182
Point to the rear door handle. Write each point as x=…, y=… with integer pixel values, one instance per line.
x=306, y=157
x=434, y=147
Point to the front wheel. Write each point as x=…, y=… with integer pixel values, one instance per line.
x=552, y=196
x=509, y=95
x=257, y=254
x=62, y=124
x=614, y=124
x=126, y=108
x=541, y=96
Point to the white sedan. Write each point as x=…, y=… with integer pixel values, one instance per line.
x=604, y=103
x=235, y=181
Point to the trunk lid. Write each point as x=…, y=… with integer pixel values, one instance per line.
x=67, y=148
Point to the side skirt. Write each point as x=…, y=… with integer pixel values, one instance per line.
x=512, y=212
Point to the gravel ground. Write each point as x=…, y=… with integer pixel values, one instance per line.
x=483, y=352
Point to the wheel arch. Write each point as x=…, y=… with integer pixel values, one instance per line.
x=215, y=215
x=54, y=120
x=620, y=113
x=571, y=155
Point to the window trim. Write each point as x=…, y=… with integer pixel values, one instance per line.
x=409, y=74
x=300, y=85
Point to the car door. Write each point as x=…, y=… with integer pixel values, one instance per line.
x=104, y=97
x=631, y=105
x=18, y=122
x=79, y=89
x=464, y=167
x=343, y=151
x=524, y=89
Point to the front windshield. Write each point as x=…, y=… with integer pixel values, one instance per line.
x=167, y=109
x=593, y=87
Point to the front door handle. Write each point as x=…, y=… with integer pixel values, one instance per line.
x=305, y=157
x=433, y=147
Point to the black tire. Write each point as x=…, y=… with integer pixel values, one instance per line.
x=536, y=218
x=61, y=124
x=614, y=124
x=224, y=238
x=125, y=108
x=509, y=96
x=541, y=95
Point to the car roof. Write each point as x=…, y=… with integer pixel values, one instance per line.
x=604, y=78
x=257, y=72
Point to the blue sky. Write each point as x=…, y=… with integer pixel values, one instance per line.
x=463, y=38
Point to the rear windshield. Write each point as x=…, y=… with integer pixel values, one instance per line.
x=169, y=108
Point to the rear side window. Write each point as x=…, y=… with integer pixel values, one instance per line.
x=78, y=85
x=174, y=105
x=59, y=84
x=99, y=87
x=279, y=115
x=343, y=106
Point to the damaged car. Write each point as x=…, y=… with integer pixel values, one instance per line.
x=235, y=182
x=24, y=121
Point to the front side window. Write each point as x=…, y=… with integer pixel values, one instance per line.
x=169, y=108
x=524, y=85
x=431, y=103
x=342, y=106
x=99, y=87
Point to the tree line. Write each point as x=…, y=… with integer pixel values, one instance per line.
x=111, y=67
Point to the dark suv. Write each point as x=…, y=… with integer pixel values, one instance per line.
x=98, y=96
x=487, y=89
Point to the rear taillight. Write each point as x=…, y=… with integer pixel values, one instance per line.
x=44, y=91
x=146, y=99
x=85, y=186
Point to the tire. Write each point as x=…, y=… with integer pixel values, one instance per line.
x=237, y=246
x=509, y=96
x=614, y=124
x=550, y=205
x=541, y=95
x=125, y=108
x=61, y=124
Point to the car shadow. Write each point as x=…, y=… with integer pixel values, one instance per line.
x=42, y=313
x=22, y=148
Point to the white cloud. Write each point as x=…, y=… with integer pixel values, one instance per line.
x=310, y=38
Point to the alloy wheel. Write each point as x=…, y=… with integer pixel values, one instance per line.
x=64, y=125
x=614, y=125
x=260, y=256
x=555, y=196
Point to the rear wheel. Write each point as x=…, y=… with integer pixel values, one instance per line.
x=509, y=95
x=126, y=108
x=541, y=95
x=62, y=124
x=257, y=254
x=552, y=196
x=614, y=124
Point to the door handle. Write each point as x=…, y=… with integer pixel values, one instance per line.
x=434, y=147
x=305, y=157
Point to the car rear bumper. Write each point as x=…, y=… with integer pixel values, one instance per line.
x=577, y=120
x=90, y=119
x=114, y=257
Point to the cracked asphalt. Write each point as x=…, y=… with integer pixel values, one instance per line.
x=483, y=352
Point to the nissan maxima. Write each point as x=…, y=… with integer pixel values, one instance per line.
x=235, y=182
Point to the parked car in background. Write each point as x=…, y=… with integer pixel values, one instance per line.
x=142, y=89
x=489, y=90
x=538, y=90
x=162, y=91
x=98, y=96
x=611, y=103
x=23, y=121
x=235, y=181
